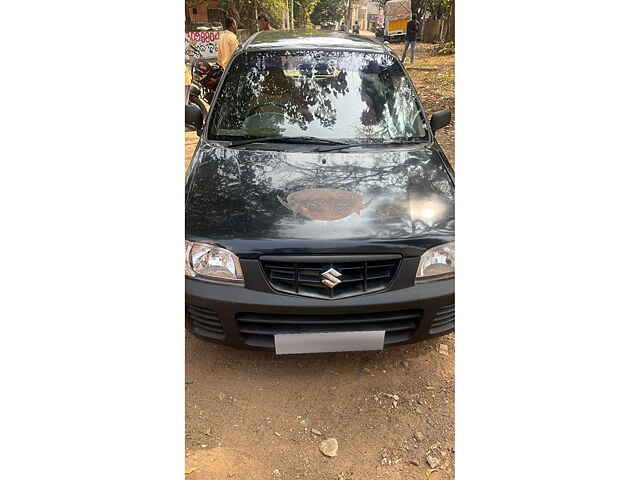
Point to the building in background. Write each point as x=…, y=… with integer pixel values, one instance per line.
x=357, y=12
x=207, y=12
x=375, y=15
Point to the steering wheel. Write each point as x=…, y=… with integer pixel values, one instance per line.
x=260, y=105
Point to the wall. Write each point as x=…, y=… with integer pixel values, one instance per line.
x=200, y=15
x=201, y=11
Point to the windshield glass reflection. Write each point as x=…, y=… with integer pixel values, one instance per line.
x=332, y=95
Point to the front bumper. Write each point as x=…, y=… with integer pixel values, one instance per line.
x=246, y=318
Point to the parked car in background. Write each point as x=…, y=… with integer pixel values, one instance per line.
x=319, y=207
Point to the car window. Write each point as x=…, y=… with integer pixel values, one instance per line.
x=334, y=95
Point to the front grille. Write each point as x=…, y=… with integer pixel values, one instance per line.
x=443, y=320
x=205, y=322
x=303, y=275
x=258, y=329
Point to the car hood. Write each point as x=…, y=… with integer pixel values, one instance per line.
x=382, y=195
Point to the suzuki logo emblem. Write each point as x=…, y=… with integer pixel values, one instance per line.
x=331, y=278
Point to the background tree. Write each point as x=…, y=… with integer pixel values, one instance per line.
x=450, y=24
x=434, y=14
x=302, y=12
x=246, y=11
x=431, y=9
x=328, y=11
x=436, y=9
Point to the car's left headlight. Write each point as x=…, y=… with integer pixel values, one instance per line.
x=211, y=262
x=440, y=260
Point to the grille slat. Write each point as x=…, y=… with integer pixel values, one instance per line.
x=258, y=330
x=360, y=274
x=266, y=329
x=206, y=328
x=327, y=319
x=203, y=310
x=378, y=277
x=205, y=322
x=202, y=317
x=386, y=265
x=446, y=310
x=443, y=320
x=281, y=278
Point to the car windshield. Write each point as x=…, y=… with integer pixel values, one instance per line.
x=351, y=96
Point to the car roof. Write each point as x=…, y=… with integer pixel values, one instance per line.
x=310, y=40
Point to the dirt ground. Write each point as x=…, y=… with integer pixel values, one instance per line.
x=252, y=415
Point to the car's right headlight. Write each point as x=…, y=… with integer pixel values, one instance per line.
x=208, y=262
x=436, y=261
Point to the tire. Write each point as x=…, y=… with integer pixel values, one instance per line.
x=202, y=106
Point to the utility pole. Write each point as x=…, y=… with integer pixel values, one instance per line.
x=292, y=25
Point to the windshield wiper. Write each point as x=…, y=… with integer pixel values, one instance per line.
x=368, y=144
x=301, y=140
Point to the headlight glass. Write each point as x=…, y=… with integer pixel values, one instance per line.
x=209, y=261
x=440, y=260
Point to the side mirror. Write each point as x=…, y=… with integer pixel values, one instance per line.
x=193, y=117
x=440, y=119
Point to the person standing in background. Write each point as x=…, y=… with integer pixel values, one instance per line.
x=228, y=42
x=187, y=83
x=356, y=28
x=411, y=37
x=263, y=23
x=343, y=27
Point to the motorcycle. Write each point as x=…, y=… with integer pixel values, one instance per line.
x=193, y=91
x=206, y=76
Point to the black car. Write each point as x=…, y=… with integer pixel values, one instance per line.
x=319, y=207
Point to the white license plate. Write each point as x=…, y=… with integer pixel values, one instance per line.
x=329, y=342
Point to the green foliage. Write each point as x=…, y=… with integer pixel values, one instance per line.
x=244, y=11
x=435, y=9
x=302, y=12
x=328, y=11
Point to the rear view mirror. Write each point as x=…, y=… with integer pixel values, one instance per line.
x=440, y=119
x=193, y=117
